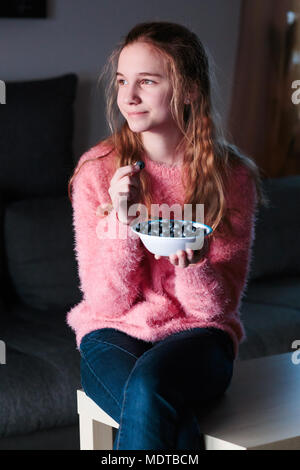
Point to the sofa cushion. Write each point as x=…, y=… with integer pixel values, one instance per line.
x=276, y=249
x=40, y=252
x=36, y=137
x=42, y=372
x=270, y=329
x=280, y=292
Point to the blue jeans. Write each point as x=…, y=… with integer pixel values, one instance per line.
x=153, y=389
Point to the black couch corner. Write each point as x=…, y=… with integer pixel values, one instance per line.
x=270, y=308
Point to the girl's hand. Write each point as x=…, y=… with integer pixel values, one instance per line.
x=184, y=258
x=125, y=190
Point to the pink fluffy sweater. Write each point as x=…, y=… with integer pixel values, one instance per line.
x=126, y=288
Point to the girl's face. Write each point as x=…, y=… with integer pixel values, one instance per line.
x=143, y=87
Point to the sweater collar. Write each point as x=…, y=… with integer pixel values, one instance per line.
x=162, y=169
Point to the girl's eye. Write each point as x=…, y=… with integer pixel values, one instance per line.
x=148, y=80
x=145, y=80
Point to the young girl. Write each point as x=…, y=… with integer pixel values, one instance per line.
x=158, y=336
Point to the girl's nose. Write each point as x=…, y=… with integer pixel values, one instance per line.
x=131, y=96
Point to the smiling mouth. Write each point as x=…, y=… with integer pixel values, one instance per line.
x=137, y=114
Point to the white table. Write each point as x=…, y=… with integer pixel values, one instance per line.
x=260, y=410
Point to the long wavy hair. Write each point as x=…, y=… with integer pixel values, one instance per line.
x=208, y=156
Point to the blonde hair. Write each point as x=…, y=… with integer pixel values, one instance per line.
x=208, y=157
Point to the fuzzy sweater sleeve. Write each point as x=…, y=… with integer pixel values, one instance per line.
x=108, y=254
x=212, y=289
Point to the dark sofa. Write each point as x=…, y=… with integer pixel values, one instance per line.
x=39, y=282
x=271, y=305
x=39, y=279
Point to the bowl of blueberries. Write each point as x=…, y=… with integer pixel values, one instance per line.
x=164, y=237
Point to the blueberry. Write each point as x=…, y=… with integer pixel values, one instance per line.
x=140, y=164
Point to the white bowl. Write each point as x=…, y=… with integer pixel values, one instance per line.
x=193, y=234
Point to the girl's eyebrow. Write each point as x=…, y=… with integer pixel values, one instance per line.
x=143, y=73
